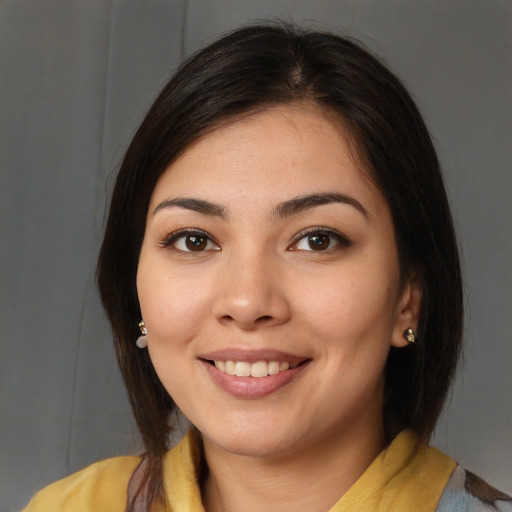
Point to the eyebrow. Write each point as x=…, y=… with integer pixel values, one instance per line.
x=284, y=209
x=190, y=203
x=306, y=202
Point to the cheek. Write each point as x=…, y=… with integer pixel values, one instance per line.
x=353, y=305
x=172, y=310
x=171, y=306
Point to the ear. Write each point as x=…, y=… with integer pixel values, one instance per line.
x=407, y=311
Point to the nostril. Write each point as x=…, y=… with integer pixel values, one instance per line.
x=264, y=318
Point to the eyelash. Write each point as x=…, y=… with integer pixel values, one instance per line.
x=342, y=241
x=172, y=239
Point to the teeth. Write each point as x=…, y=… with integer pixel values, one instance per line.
x=221, y=365
x=257, y=369
x=242, y=369
x=273, y=367
x=230, y=367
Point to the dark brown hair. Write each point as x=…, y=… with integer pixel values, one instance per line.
x=258, y=67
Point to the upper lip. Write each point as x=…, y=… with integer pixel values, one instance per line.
x=252, y=356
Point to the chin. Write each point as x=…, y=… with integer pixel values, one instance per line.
x=255, y=446
x=252, y=442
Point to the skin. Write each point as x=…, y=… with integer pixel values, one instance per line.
x=257, y=284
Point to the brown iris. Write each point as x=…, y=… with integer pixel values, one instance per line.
x=196, y=242
x=319, y=241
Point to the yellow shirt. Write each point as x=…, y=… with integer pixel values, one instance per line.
x=394, y=481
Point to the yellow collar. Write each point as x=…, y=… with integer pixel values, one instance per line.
x=398, y=480
x=181, y=467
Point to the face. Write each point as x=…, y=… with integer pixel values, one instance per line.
x=269, y=285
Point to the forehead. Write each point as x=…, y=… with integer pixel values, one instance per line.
x=268, y=156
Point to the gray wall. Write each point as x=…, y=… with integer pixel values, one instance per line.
x=76, y=78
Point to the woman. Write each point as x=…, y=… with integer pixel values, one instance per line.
x=280, y=264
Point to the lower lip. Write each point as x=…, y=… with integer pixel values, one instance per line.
x=253, y=387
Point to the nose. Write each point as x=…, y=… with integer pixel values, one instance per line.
x=251, y=293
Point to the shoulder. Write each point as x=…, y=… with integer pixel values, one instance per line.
x=101, y=486
x=467, y=492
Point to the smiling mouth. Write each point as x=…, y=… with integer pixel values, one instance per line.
x=252, y=375
x=257, y=369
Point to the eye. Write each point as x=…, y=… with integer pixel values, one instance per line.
x=190, y=241
x=320, y=239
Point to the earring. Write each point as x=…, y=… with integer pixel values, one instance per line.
x=410, y=335
x=141, y=340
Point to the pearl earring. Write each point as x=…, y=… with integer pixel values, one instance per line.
x=142, y=342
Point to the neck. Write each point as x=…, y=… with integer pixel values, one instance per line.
x=316, y=476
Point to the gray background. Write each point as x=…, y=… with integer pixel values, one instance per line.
x=75, y=80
